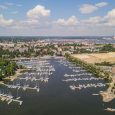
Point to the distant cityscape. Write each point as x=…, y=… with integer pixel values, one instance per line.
x=53, y=46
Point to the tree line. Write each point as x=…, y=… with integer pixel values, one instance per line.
x=7, y=68
x=97, y=71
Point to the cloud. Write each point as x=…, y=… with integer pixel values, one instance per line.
x=107, y=20
x=3, y=7
x=110, y=18
x=93, y=20
x=26, y=24
x=38, y=12
x=30, y=24
x=89, y=8
x=111, y=14
x=10, y=4
x=5, y=22
x=38, y=23
x=101, y=4
x=7, y=5
x=72, y=21
x=36, y=18
x=14, y=12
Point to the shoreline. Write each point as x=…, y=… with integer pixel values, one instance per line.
x=107, y=95
x=13, y=77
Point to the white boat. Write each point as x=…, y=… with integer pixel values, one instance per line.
x=9, y=101
x=72, y=87
x=38, y=89
x=95, y=94
x=110, y=109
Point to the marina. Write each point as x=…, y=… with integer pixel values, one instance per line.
x=9, y=98
x=57, y=80
x=42, y=70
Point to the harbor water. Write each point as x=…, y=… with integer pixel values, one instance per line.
x=55, y=97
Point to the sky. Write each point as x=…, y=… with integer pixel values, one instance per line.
x=57, y=17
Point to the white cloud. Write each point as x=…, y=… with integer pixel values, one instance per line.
x=110, y=18
x=4, y=22
x=10, y=4
x=93, y=20
x=38, y=12
x=89, y=8
x=37, y=23
x=7, y=5
x=111, y=14
x=101, y=4
x=72, y=21
x=107, y=20
x=30, y=24
x=3, y=7
x=36, y=18
x=26, y=24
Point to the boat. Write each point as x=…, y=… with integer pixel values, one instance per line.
x=72, y=87
x=38, y=89
x=95, y=94
x=110, y=109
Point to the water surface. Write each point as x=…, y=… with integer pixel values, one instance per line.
x=56, y=98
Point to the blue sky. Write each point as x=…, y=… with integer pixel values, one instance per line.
x=57, y=17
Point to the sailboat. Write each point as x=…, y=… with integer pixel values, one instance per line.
x=110, y=109
x=113, y=37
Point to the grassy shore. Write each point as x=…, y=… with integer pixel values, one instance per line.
x=107, y=95
x=96, y=57
x=13, y=77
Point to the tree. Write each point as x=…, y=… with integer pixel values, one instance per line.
x=108, y=47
